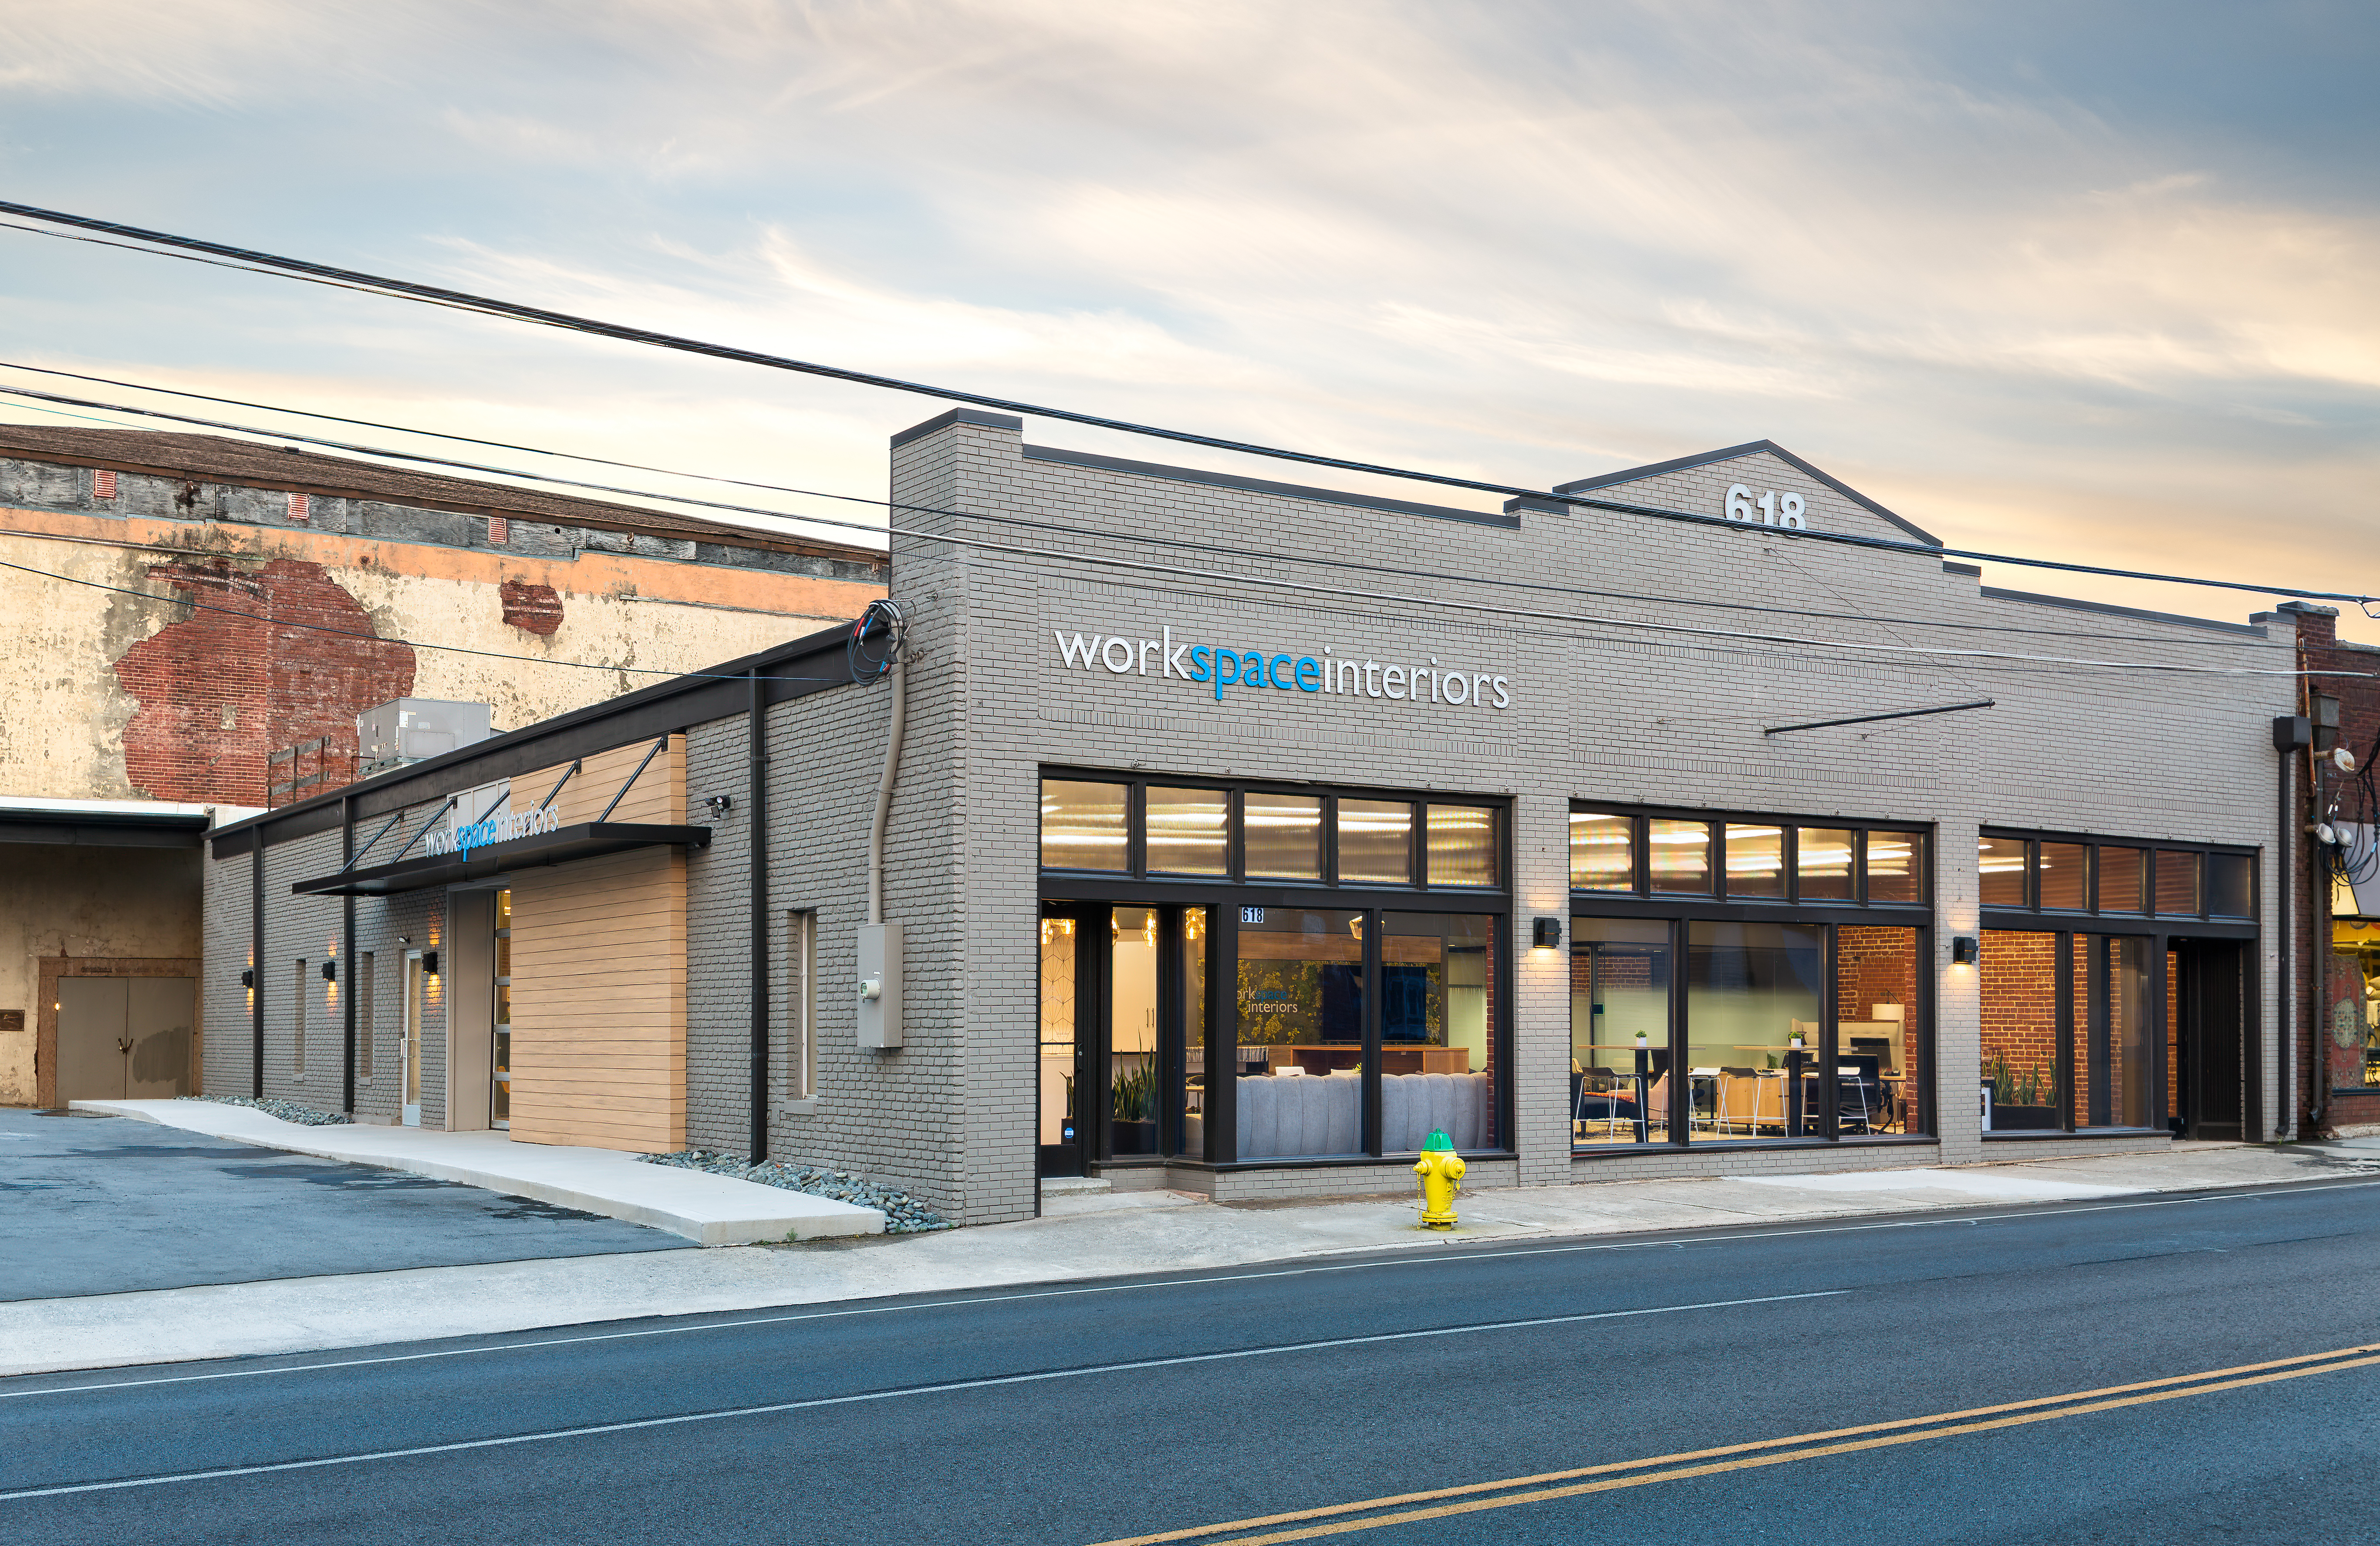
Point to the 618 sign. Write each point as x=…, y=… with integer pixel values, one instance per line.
x=1774, y=509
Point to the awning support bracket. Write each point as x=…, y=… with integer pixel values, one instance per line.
x=649, y=756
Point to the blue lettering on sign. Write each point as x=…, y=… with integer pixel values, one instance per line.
x=1220, y=666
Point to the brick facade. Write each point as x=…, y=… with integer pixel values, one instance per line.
x=1604, y=706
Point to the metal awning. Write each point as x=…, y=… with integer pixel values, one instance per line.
x=590, y=840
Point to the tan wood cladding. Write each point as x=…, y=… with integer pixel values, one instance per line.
x=599, y=981
x=658, y=796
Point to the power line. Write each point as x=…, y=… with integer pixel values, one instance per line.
x=255, y=261
x=272, y=621
x=892, y=505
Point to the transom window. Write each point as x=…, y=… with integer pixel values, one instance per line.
x=2023, y=872
x=1746, y=859
x=1161, y=829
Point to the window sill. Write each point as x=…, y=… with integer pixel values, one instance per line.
x=1730, y=1145
x=806, y=1106
x=2046, y=1135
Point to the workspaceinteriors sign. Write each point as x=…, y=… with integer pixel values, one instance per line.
x=1220, y=666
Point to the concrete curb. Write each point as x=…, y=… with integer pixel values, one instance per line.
x=709, y=1210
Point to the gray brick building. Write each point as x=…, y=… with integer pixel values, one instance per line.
x=1246, y=834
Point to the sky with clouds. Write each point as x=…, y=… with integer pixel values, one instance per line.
x=2091, y=282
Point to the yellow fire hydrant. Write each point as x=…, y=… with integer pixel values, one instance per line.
x=1441, y=1176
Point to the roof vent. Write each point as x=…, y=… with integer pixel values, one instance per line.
x=301, y=507
x=103, y=483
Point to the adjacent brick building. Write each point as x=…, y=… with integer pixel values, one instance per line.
x=2337, y=1012
x=183, y=610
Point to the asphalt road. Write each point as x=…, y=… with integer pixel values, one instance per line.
x=1093, y=1413
x=109, y=1204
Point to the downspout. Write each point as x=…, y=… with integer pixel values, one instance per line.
x=755, y=799
x=900, y=672
x=347, y=949
x=256, y=954
x=2286, y=856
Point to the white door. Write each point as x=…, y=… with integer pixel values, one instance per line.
x=409, y=1050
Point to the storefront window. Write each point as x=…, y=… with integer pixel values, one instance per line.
x=1620, y=1030
x=1058, y=989
x=2121, y=872
x=1193, y=1129
x=1822, y=863
x=1680, y=853
x=2001, y=871
x=1755, y=862
x=2019, y=988
x=1752, y=989
x=1130, y=1072
x=1086, y=825
x=1189, y=831
x=1461, y=844
x=2177, y=882
x=1300, y=1016
x=2111, y=1054
x=2355, y=989
x=500, y=1085
x=1602, y=852
x=1375, y=842
x=2065, y=868
x=1437, y=1059
x=1896, y=867
x=1282, y=836
x=1877, y=1054
x=2230, y=885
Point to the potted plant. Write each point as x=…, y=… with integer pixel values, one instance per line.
x=1131, y=1111
x=2029, y=1101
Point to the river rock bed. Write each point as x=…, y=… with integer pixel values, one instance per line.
x=289, y=1111
x=904, y=1214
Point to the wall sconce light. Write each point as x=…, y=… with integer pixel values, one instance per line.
x=719, y=805
x=248, y=978
x=430, y=962
x=1545, y=934
x=330, y=971
x=1965, y=950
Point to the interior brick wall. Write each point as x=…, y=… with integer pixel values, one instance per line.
x=2019, y=983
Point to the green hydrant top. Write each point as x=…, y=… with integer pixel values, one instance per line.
x=1437, y=1142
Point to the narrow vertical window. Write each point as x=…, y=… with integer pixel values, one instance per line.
x=298, y=1020
x=801, y=1005
x=363, y=990
x=1602, y=852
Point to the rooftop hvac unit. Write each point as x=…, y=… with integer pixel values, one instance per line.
x=408, y=729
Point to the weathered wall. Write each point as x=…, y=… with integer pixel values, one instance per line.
x=142, y=693
x=83, y=902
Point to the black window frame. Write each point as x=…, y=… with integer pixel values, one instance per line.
x=2160, y=929
x=1224, y=896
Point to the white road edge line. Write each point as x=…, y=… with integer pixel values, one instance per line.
x=889, y=1394
x=1459, y=1255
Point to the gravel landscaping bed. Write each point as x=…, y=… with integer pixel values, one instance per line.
x=289, y=1111
x=904, y=1214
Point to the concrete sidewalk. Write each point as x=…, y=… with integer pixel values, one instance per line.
x=710, y=1210
x=1083, y=1237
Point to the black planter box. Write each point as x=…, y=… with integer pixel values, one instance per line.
x=1133, y=1138
x=2025, y=1118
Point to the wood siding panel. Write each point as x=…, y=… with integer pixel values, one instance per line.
x=599, y=980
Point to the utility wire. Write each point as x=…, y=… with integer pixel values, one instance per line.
x=256, y=260
x=272, y=621
x=893, y=505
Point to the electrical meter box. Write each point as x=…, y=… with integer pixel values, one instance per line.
x=879, y=985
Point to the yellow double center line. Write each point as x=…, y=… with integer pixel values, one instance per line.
x=1475, y=1497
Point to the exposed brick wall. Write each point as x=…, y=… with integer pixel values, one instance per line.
x=220, y=690
x=2331, y=1076
x=532, y=609
x=2020, y=1004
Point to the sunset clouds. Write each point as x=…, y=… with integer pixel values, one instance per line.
x=2094, y=287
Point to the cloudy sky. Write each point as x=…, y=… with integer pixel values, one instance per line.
x=2086, y=281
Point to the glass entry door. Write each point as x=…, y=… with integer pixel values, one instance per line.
x=1122, y=1033
x=409, y=1048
